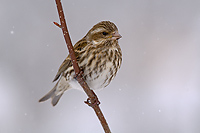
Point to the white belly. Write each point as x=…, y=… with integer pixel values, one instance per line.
x=94, y=81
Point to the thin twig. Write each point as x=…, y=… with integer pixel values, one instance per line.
x=92, y=100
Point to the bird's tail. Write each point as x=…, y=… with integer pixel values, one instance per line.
x=54, y=94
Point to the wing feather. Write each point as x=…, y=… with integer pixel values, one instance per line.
x=78, y=47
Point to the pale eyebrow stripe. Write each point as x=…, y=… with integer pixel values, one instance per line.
x=97, y=30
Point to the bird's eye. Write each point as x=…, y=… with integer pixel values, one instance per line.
x=104, y=33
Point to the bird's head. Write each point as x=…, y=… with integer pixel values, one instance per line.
x=103, y=31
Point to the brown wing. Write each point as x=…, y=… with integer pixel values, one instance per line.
x=66, y=63
x=78, y=47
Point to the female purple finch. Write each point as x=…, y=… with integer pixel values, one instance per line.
x=98, y=55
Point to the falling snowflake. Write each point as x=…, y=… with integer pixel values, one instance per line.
x=11, y=32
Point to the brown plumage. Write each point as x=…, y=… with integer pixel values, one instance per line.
x=98, y=55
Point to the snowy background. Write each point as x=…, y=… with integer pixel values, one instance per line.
x=157, y=89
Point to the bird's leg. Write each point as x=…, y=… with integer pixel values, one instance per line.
x=92, y=101
x=80, y=73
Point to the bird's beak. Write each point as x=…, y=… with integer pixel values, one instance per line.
x=116, y=35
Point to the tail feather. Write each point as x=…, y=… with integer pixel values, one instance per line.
x=49, y=94
x=52, y=94
x=55, y=99
x=57, y=91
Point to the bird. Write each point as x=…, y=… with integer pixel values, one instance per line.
x=98, y=55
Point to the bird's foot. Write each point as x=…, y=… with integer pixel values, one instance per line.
x=79, y=74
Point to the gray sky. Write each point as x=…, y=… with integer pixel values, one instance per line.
x=155, y=91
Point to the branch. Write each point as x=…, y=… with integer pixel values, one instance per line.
x=92, y=100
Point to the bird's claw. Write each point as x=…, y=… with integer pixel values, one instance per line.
x=80, y=73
